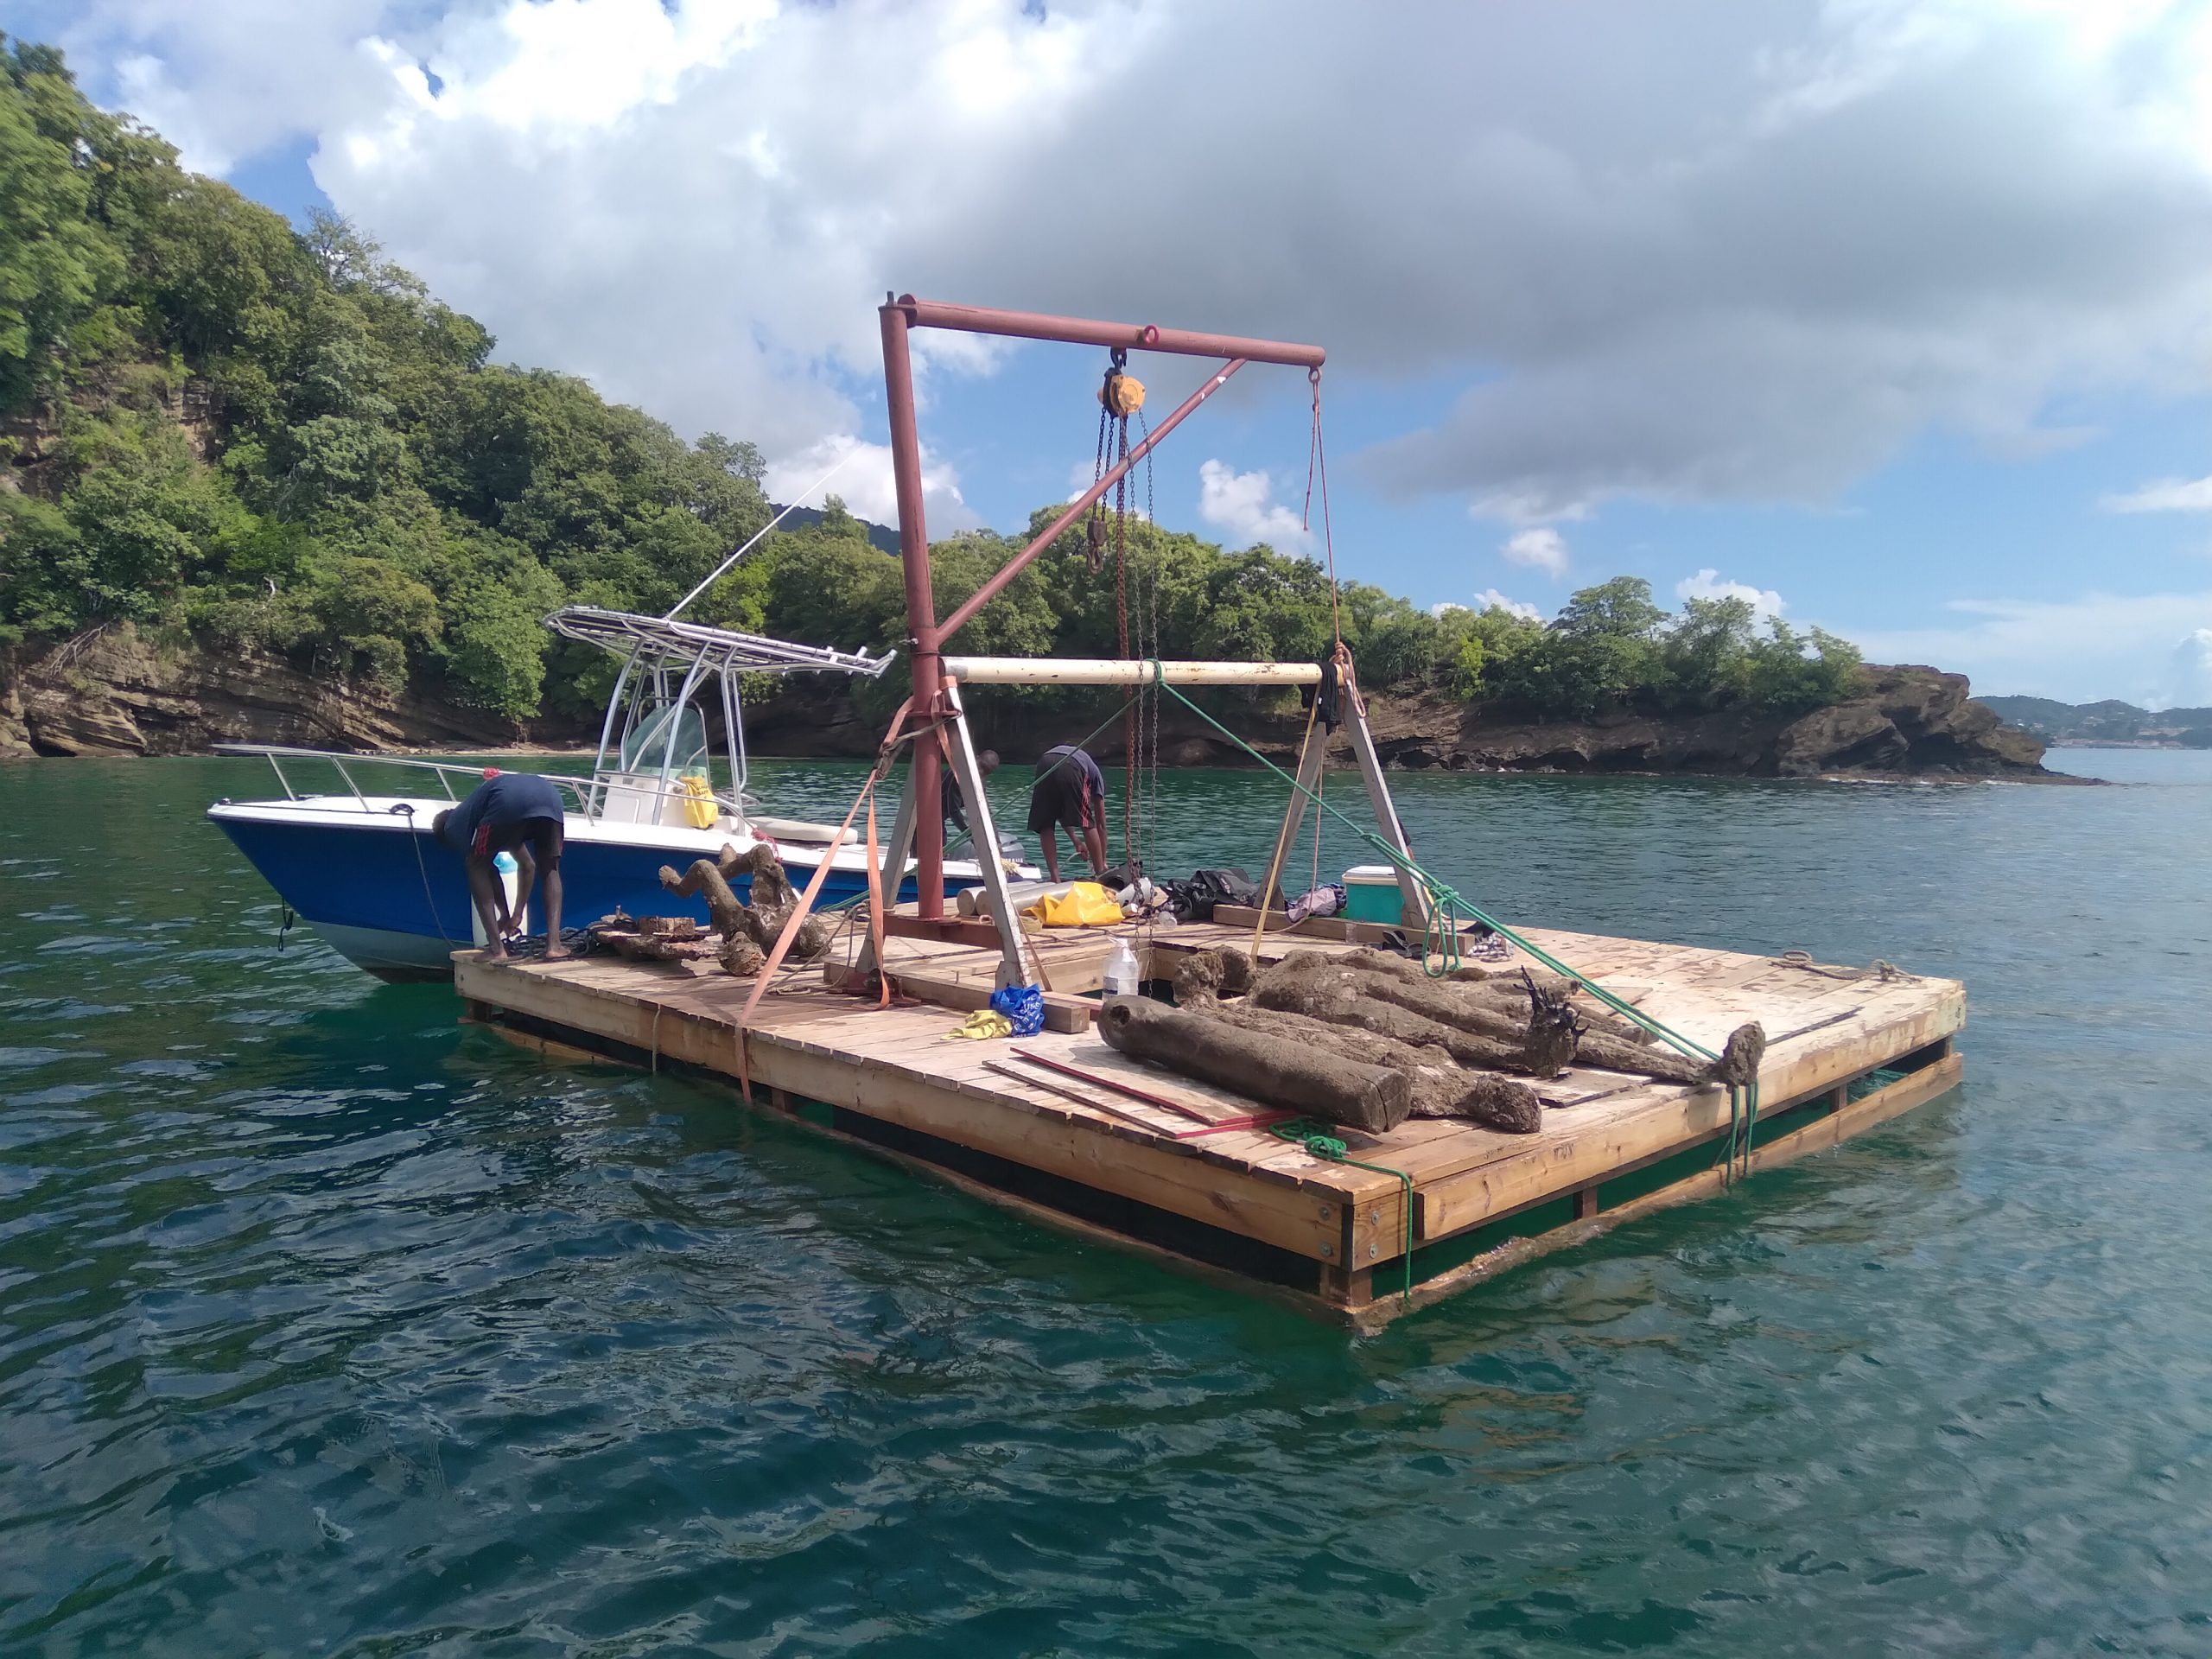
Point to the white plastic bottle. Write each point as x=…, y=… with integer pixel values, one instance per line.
x=1121, y=970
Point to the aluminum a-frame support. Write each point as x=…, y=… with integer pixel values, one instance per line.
x=1413, y=901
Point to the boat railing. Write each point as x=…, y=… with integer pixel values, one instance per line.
x=587, y=792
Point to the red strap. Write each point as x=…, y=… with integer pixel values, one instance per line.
x=875, y=907
x=798, y=917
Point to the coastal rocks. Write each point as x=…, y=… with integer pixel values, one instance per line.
x=1913, y=719
x=1851, y=735
x=113, y=693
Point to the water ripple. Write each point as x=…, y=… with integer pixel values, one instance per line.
x=327, y=1325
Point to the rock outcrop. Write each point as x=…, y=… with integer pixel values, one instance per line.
x=114, y=693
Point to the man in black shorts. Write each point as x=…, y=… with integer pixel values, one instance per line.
x=1069, y=790
x=516, y=812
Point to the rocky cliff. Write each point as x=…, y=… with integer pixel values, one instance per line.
x=115, y=693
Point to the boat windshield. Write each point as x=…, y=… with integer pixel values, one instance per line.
x=646, y=744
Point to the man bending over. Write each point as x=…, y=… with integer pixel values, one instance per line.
x=1070, y=793
x=516, y=812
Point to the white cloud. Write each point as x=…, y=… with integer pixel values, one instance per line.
x=1491, y=600
x=1707, y=584
x=1445, y=608
x=1543, y=549
x=864, y=481
x=1522, y=510
x=1728, y=252
x=2167, y=495
x=2079, y=650
x=2189, y=684
x=1241, y=505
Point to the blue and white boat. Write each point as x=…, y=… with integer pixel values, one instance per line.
x=364, y=872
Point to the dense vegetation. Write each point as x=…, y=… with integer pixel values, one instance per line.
x=233, y=435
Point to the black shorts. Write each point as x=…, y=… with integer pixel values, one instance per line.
x=1064, y=796
x=541, y=835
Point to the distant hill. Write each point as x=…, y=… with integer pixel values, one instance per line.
x=883, y=536
x=2109, y=721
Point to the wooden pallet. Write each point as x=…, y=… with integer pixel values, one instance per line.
x=1242, y=1201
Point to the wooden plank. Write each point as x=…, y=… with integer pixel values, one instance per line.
x=1062, y=1012
x=1177, y=1176
x=1332, y=928
x=974, y=931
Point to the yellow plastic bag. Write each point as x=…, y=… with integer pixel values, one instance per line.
x=1085, y=904
x=700, y=810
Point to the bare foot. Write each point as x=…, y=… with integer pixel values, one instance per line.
x=554, y=951
x=495, y=953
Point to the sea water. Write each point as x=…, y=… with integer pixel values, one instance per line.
x=330, y=1326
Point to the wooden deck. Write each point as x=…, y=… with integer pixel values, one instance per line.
x=1240, y=1200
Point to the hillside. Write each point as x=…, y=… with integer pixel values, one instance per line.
x=261, y=484
x=2106, y=723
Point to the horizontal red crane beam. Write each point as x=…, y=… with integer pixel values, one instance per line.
x=1082, y=331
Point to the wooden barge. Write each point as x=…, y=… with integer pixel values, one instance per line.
x=1359, y=1226
x=1038, y=1124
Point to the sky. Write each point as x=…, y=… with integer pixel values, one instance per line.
x=1895, y=318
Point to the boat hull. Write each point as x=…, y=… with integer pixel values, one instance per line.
x=385, y=893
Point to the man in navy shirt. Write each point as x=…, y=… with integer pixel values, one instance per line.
x=516, y=812
x=1071, y=792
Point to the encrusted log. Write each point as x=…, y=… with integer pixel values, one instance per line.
x=1740, y=1057
x=1505, y=987
x=761, y=921
x=1367, y=1097
x=771, y=888
x=1204, y=977
x=705, y=879
x=1441, y=1087
x=1308, y=974
x=1333, y=1005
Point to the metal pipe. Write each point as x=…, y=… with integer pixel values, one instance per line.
x=1082, y=331
x=1079, y=671
x=1021, y=561
x=923, y=633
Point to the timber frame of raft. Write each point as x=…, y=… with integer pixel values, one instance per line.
x=1029, y=1123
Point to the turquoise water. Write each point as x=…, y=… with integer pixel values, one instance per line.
x=329, y=1326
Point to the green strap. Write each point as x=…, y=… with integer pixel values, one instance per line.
x=1330, y=1149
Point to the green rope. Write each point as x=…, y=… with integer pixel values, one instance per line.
x=1331, y=1150
x=1446, y=899
x=1743, y=1124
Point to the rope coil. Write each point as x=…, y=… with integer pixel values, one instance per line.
x=1331, y=1149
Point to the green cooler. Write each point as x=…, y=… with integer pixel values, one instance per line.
x=1372, y=893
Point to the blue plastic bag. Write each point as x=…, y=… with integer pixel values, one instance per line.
x=1023, y=1005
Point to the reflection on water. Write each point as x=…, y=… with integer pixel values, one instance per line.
x=328, y=1324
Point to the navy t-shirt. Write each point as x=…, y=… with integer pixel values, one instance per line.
x=511, y=797
x=1069, y=790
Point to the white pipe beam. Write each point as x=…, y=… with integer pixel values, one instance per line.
x=1075, y=670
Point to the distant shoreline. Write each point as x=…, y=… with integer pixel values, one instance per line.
x=530, y=752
